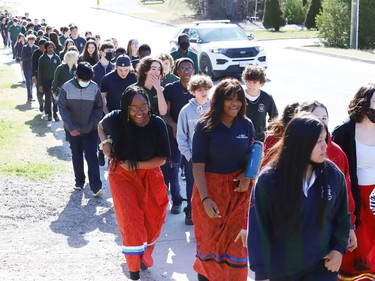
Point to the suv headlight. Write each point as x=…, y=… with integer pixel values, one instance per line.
x=218, y=50
x=259, y=48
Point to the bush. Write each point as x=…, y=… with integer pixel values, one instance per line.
x=314, y=9
x=273, y=16
x=333, y=24
x=294, y=11
x=366, y=36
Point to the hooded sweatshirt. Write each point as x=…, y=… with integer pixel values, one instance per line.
x=186, y=124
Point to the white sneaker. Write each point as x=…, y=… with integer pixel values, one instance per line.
x=100, y=193
x=79, y=188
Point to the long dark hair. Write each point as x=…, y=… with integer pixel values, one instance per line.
x=290, y=165
x=226, y=88
x=361, y=102
x=125, y=147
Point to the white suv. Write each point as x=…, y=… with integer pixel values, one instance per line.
x=223, y=48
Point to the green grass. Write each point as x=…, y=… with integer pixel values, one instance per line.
x=30, y=170
x=24, y=135
x=285, y=34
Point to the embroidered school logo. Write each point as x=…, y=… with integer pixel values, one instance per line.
x=242, y=136
x=81, y=45
x=261, y=107
x=55, y=61
x=329, y=193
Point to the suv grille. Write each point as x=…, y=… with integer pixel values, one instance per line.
x=241, y=53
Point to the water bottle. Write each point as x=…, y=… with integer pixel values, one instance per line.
x=255, y=156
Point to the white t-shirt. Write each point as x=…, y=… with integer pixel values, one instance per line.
x=365, y=163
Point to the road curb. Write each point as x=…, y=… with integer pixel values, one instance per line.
x=330, y=54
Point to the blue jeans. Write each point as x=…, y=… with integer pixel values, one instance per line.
x=29, y=84
x=85, y=144
x=189, y=182
x=171, y=170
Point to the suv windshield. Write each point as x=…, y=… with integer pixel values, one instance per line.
x=207, y=35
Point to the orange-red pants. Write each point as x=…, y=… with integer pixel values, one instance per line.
x=360, y=264
x=140, y=200
x=218, y=256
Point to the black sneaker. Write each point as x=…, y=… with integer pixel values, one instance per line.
x=56, y=117
x=188, y=220
x=101, y=160
x=49, y=118
x=176, y=209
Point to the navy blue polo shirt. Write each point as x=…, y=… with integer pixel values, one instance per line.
x=223, y=149
x=79, y=42
x=100, y=71
x=178, y=97
x=114, y=86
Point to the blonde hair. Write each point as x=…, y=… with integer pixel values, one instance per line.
x=70, y=56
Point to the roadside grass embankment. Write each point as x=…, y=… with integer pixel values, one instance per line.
x=25, y=152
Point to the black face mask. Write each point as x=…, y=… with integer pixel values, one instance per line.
x=109, y=56
x=184, y=45
x=371, y=114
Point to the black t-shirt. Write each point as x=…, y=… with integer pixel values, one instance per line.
x=178, y=96
x=223, y=150
x=257, y=112
x=148, y=142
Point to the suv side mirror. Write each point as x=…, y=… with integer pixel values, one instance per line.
x=251, y=36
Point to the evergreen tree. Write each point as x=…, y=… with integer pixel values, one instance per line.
x=314, y=10
x=273, y=16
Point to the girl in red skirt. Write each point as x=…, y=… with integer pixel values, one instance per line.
x=136, y=141
x=221, y=194
x=356, y=137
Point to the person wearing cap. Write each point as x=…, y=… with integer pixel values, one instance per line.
x=26, y=61
x=34, y=69
x=81, y=109
x=115, y=83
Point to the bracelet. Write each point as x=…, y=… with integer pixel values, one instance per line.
x=104, y=142
x=205, y=198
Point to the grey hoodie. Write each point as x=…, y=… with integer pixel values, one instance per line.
x=186, y=123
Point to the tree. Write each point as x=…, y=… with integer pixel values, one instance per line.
x=273, y=16
x=333, y=23
x=366, y=36
x=314, y=9
x=294, y=11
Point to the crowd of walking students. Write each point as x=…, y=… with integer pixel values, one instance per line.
x=310, y=213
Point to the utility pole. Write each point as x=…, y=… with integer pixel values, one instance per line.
x=354, y=25
x=256, y=9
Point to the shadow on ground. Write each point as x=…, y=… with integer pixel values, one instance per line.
x=78, y=219
x=37, y=124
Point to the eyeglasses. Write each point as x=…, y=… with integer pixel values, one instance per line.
x=185, y=69
x=143, y=108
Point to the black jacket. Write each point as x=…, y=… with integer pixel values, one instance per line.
x=344, y=136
